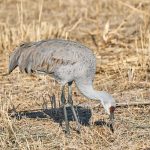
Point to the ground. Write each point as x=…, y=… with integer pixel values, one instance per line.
x=118, y=32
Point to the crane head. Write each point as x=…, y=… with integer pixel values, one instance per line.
x=109, y=105
x=110, y=109
x=111, y=113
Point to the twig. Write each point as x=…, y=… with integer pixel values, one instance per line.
x=132, y=104
x=133, y=8
x=124, y=21
x=94, y=40
x=6, y=74
x=128, y=104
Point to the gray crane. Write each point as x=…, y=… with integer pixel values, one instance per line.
x=66, y=61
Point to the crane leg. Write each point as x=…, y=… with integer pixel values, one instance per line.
x=70, y=101
x=64, y=109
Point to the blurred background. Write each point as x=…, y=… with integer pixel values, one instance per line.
x=118, y=22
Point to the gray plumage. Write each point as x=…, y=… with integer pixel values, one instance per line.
x=66, y=61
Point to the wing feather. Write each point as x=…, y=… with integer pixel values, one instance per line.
x=50, y=64
x=32, y=60
x=45, y=56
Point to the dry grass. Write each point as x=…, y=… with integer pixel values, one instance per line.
x=118, y=31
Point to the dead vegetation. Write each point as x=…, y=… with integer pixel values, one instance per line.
x=119, y=34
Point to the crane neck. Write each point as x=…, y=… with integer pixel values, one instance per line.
x=106, y=99
x=88, y=91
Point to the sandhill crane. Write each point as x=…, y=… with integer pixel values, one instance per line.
x=66, y=61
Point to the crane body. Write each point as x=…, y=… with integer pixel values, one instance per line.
x=66, y=61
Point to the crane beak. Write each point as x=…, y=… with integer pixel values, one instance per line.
x=111, y=117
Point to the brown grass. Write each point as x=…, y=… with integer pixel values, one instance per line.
x=118, y=32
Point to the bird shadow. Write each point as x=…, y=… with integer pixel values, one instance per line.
x=104, y=123
x=57, y=114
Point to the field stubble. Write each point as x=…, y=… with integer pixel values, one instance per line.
x=118, y=33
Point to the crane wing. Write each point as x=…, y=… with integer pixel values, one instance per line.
x=49, y=64
x=48, y=55
x=35, y=58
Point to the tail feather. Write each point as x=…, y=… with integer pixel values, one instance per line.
x=13, y=60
